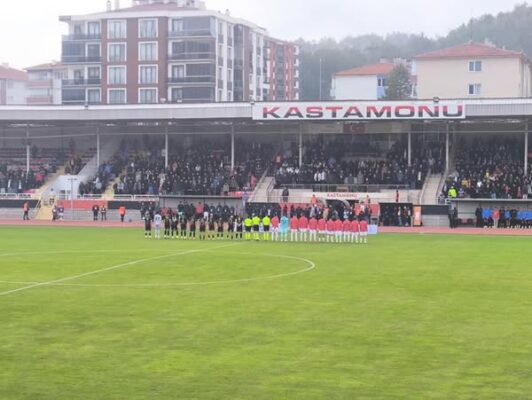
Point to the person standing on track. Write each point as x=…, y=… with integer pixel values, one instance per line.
x=338, y=230
x=330, y=230
x=322, y=229
x=174, y=222
x=348, y=231
x=26, y=209
x=192, y=229
x=202, y=229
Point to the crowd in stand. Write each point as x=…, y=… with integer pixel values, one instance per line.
x=329, y=163
x=201, y=169
x=13, y=175
x=490, y=168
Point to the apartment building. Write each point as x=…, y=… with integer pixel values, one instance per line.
x=473, y=70
x=45, y=84
x=12, y=85
x=160, y=51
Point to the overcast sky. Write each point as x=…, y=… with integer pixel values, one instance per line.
x=35, y=25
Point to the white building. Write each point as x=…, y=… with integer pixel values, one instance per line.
x=12, y=85
x=363, y=83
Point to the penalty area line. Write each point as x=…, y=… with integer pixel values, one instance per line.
x=114, y=267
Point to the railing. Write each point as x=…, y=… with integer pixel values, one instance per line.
x=193, y=56
x=191, y=32
x=16, y=196
x=81, y=82
x=324, y=188
x=123, y=197
x=193, y=79
x=82, y=36
x=81, y=59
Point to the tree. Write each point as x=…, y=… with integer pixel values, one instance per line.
x=399, y=84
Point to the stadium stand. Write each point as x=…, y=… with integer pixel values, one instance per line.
x=202, y=169
x=337, y=162
x=489, y=168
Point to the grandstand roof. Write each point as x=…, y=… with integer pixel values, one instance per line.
x=469, y=50
x=367, y=70
x=9, y=73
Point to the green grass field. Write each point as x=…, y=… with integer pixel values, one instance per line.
x=405, y=317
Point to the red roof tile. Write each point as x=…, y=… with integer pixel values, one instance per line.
x=374, y=69
x=51, y=65
x=469, y=50
x=12, y=74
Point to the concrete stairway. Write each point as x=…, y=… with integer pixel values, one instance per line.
x=260, y=195
x=44, y=213
x=430, y=190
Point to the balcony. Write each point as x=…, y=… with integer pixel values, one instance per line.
x=82, y=36
x=193, y=79
x=192, y=56
x=80, y=60
x=190, y=33
x=81, y=82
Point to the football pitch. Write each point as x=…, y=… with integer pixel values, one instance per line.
x=105, y=314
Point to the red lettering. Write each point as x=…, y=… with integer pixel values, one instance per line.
x=314, y=112
x=385, y=110
x=353, y=111
x=267, y=112
x=334, y=110
x=293, y=112
x=400, y=111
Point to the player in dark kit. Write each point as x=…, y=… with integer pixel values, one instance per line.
x=192, y=233
x=167, y=226
x=147, y=225
x=202, y=229
x=220, y=224
x=212, y=230
x=239, y=229
x=184, y=223
x=174, y=226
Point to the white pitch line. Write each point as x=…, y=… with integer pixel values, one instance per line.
x=70, y=278
x=311, y=264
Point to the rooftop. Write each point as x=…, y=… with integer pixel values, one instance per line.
x=471, y=49
x=373, y=69
x=13, y=74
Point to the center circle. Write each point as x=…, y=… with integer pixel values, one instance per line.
x=229, y=267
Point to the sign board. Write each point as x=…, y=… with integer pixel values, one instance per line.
x=359, y=111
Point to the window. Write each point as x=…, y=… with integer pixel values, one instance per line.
x=148, y=52
x=200, y=70
x=474, y=89
x=177, y=25
x=177, y=95
x=147, y=75
x=37, y=92
x=148, y=28
x=475, y=66
x=116, y=29
x=178, y=71
x=220, y=94
x=147, y=96
x=93, y=72
x=93, y=29
x=117, y=96
x=93, y=96
x=93, y=50
x=117, y=52
x=382, y=82
x=117, y=76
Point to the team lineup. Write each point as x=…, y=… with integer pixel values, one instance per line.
x=283, y=229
